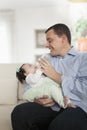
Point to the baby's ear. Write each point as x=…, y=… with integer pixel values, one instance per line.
x=25, y=74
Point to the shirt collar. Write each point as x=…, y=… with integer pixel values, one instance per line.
x=73, y=52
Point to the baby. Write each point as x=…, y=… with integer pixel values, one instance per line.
x=40, y=84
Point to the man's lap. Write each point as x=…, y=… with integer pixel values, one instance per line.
x=70, y=119
x=41, y=117
x=33, y=114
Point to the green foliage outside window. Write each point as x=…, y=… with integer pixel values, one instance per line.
x=80, y=29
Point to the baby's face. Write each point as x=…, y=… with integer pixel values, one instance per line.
x=28, y=69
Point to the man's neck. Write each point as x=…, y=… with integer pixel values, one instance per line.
x=65, y=51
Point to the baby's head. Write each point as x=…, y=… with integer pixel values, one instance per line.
x=24, y=70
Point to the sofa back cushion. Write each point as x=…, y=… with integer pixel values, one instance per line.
x=20, y=91
x=8, y=84
x=8, y=91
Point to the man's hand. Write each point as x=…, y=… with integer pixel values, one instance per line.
x=67, y=102
x=49, y=70
x=45, y=101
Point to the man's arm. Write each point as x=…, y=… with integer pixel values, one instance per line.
x=50, y=71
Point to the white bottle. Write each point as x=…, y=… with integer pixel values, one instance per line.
x=45, y=56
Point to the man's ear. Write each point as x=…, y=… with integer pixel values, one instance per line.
x=63, y=38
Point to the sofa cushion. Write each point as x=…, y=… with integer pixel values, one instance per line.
x=8, y=91
x=5, y=117
x=20, y=91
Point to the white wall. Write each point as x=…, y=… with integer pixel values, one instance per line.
x=26, y=21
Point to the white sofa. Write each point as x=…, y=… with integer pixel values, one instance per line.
x=10, y=93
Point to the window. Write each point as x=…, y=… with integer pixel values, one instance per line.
x=6, y=22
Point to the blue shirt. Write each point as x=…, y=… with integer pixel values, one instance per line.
x=73, y=68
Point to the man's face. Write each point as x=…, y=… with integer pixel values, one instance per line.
x=54, y=43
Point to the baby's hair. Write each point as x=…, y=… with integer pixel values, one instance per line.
x=20, y=74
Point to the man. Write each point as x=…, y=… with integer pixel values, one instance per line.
x=71, y=72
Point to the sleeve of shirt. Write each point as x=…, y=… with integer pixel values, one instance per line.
x=34, y=78
x=67, y=87
x=76, y=87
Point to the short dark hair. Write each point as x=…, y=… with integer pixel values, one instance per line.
x=20, y=74
x=61, y=29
